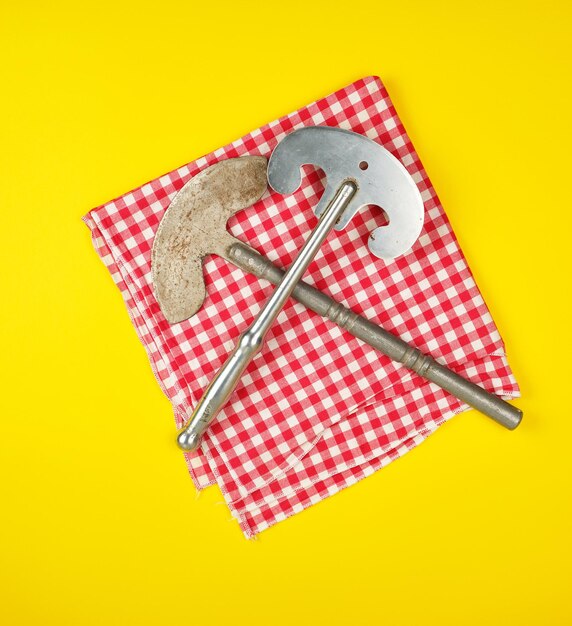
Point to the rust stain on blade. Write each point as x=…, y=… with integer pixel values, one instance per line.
x=194, y=226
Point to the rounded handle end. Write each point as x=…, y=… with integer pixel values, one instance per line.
x=514, y=418
x=188, y=441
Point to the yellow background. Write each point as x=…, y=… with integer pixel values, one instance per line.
x=99, y=522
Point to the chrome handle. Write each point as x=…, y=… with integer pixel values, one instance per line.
x=250, y=343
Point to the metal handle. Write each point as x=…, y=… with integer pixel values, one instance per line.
x=219, y=390
x=382, y=340
x=250, y=342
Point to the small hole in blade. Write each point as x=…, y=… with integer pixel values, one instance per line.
x=363, y=165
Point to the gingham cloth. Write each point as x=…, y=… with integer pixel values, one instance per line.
x=317, y=410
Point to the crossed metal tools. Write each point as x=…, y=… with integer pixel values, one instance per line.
x=358, y=172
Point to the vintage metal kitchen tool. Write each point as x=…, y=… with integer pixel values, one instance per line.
x=359, y=172
x=195, y=225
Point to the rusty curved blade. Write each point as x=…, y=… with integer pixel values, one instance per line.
x=194, y=226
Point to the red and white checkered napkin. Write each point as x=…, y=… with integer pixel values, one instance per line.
x=317, y=410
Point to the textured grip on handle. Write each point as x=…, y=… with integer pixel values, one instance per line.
x=472, y=394
x=382, y=340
